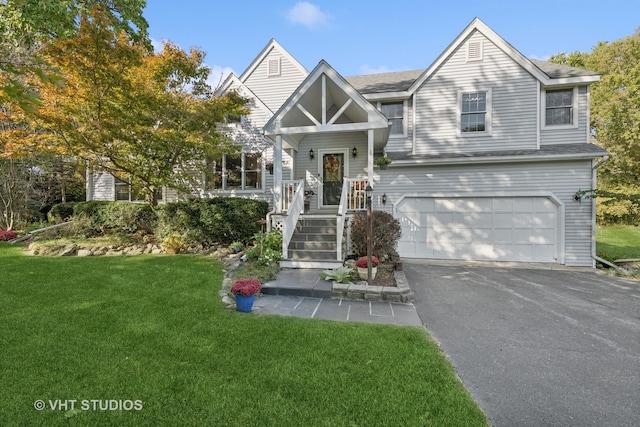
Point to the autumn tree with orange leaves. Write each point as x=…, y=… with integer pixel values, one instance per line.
x=151, y=118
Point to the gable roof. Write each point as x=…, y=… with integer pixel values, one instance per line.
x=557, y=77
x=265, y=51
x=308, y=109
x=558, y=71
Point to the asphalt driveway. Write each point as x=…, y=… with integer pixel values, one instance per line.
x=537, y=347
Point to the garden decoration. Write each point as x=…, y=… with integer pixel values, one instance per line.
x=245, y=291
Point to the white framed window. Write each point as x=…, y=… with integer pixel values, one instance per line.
x=273, y=67
x=560, y=108
x=396, y=113
x=241, y=171
x=474, y=112
x=126, y=190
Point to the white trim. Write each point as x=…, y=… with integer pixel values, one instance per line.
x=264, y=53
x=488, y=128
x=320, y=155
x=493, y=37
x=560, y=220
x=405, y=112
x=574, y=101
x=493, y=159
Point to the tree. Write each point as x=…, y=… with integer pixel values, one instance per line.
x=615, y=122
x=26, y=26
x=151, y=118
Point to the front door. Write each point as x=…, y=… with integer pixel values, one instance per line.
x=332, y=177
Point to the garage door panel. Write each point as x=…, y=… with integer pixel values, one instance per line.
x=484, y=228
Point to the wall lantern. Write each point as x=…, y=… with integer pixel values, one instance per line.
x=354, y=152
x=311, y=154
x=384, y=199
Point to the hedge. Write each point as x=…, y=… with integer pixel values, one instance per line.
x=208, y=221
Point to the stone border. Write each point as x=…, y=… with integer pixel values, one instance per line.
x=355, y=291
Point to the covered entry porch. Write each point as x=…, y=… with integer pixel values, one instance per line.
x=331, y=133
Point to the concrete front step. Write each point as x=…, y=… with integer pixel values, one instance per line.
x=301, y=254
x=310, y=263
x=313, y=245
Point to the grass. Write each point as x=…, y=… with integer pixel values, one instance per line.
x=153, y=329
x=618, y=242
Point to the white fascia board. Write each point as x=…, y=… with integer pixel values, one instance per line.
x=263, y=54
x=493, y=159
x=246, y=92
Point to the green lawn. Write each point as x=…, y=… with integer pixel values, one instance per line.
x=152, y=329
x=618, y=242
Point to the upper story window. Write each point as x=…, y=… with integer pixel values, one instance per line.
x=473, y=112
x=394, y=111
x=241, y=171
x=559, y=107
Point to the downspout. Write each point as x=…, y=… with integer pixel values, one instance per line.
x=594, y=174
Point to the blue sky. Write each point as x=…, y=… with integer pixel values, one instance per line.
x=369, y=36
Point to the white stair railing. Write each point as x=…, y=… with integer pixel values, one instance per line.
x=341, y=218
x=294, y=209
x=357, y=196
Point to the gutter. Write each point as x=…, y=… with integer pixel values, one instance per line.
x=493, y=159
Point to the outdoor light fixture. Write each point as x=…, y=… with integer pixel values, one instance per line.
x=354, y=152
x=311, y=154
x=384, y=199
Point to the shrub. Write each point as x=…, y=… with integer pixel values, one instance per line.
x=386, y=232
x=61, y=212
x=208, y=221
x=6, y=235
x=267, y=247
x=128, y=217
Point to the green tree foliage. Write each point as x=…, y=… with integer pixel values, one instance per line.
x=150, y=118
x=26, y=26
x=615, y=122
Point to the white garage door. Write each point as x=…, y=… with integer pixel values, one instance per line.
x=479, y=228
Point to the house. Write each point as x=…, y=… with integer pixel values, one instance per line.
x=489, y=153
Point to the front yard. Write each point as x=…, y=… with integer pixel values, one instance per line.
x=145, y=340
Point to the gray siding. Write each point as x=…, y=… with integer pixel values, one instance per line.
x=309, y=169
x=103, y=186
x=562, y=179
x=577, y=134
x=274, y=90
x=514, y=103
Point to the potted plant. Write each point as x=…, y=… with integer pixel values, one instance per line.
x=269, y=167
x=236, y=247
x=382, y=162
x=245, y=291
x=362, y=266
x=173, y=244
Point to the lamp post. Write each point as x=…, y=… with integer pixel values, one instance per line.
x=369, y=193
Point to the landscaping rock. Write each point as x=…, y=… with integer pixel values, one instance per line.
x=69, y=250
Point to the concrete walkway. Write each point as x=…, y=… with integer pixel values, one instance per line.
x=302, y=293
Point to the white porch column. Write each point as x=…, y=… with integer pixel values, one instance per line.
x=370, y=156
x=277, y=174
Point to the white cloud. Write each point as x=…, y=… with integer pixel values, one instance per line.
x=307, y=14
x=368, y=69
x=218, y=75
